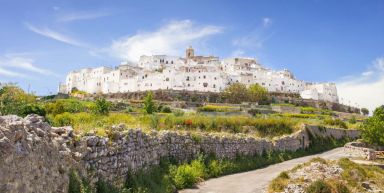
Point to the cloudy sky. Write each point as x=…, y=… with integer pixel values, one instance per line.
x=338, y=41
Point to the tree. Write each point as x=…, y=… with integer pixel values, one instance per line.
x=13, y=100
x=257, y=93
x=149, y=104
x=102, y=106
x=365, y=111
x=236, y=93
x=373, y=128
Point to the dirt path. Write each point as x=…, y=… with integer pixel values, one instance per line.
x=256, y=181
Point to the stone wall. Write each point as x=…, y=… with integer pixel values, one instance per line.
x=358, y=149
x=36, y=157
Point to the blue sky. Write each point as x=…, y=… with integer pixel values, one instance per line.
x=318, y=40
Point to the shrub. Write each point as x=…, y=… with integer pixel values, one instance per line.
x=32, y=109
x=102, y=106
x=178, y=112
x=166, y=109
x=278, y=184
x=254, y=112
x=373, y=129
x=149, y=104
x=365, y=111
x=352, y=120
x=213, y=108
x=64, y=119
x=307, y=110
x=68, y=105
x=186, y=175
x=236, y=93
x=78, y=184
x=257, y=93
x=336, y=122
x=154, y=123
x=319, y=186
x=13, y=100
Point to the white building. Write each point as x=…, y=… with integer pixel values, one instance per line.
x=192, y=73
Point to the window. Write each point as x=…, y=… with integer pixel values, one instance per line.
x=204, y=76
x=205, y=84
x=214, y=86
x=187, y=78
x=167, y=79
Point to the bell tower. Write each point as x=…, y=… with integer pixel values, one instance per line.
x=189, y=53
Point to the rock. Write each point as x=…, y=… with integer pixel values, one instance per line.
x=91, y=141
x=366, y=185
x=33, y=118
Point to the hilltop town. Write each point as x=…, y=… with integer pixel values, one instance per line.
x=192, y=73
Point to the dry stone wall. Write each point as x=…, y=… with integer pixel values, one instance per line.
x=36, y=157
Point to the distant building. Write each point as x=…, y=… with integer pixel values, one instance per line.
x=192, y=73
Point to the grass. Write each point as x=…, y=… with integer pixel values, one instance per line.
x=350, y=180
x=354, y=174
x=257, y=126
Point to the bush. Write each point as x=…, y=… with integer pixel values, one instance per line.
x=336, y=122
x=13, y=100
x=213, y=108
x=352, y=120
x=149, y=104
x=68, y=105
x=319, y=186
x=373, y=129
x=32, y=109
x=166, y=109
x=78, y=184
x=178, y=112
x=365, y=111
x=254, y=112
x=154, y=123
x=186, y=175
x=102, y=106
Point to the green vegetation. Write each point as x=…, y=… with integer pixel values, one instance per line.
x=14, y=100
x=102, y=106
x=149, y=104
x=336, y=122
x=319, y=186
x=213, y=108
x=354, y=174
x=351, y=179
x=278, y=184
x=238, y=93
x=312, y=110
x=170, y=176
x=373, y=128
x=365, y=111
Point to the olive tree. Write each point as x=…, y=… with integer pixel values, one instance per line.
x=373, y=127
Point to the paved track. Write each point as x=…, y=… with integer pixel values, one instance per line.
x=256, y=181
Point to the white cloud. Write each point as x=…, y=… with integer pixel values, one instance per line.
x=18, y=62
x=84, y=15
x=255, y=38
x=54, y=35
x=5, y=72
x=266, y=21
x=170, y=39
x=367, y=89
